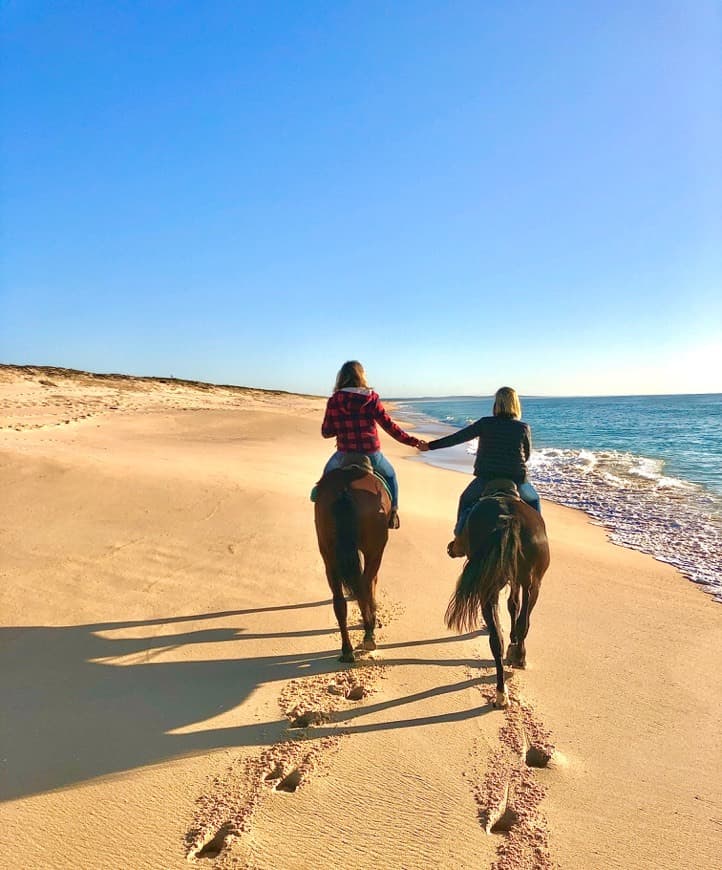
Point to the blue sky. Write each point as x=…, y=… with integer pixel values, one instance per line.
x=459, y=194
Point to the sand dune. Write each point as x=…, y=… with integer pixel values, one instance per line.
x=170, y=678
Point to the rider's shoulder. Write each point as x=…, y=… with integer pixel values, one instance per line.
x=504, y=422
x=356, y=398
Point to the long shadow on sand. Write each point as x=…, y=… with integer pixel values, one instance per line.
x=72, y=712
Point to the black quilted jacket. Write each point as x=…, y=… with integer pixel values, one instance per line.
x=504, y=447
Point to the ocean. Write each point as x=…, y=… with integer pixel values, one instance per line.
x=646, y=468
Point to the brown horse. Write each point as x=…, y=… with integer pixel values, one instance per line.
x=352, y=515
x=505, y=541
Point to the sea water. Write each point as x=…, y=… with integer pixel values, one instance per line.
x=647, y=468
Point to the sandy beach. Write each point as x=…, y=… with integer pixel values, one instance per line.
x=171, y=691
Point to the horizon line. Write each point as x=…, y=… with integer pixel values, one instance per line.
x=192, y=381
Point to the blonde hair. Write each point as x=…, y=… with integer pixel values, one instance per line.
x=506, y=403
x=351, y=374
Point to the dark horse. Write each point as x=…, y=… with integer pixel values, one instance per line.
x=352, y=515
x=505, y=541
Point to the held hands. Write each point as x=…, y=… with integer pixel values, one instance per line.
x=422, y=446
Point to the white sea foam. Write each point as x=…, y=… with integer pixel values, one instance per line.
x=673, y=520
x=677, y=522
x=629, y=494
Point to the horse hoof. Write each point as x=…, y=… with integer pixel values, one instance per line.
x=514, y=658
x=502, y=700
x=347, y=657
x=369, y=643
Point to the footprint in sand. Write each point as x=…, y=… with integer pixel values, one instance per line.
x=291, y=782
x=321, y=699
x=214, y=846
x=226, y=810
x=536, y=757
x=509, y=796
x=275, y=774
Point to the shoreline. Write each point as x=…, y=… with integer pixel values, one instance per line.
x=639, y=517
x=114, y=392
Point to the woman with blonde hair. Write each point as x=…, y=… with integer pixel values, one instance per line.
x=504, y=448
x=351, y=416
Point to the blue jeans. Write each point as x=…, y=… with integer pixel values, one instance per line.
x=379, y=463
x=472, y=494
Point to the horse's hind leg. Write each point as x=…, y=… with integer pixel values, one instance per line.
x=340, y=608
x=513, y=607
x=490, y=612
x=530, y=594
x=368, y=605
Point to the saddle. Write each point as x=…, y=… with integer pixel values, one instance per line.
x=359, y=462
x=362, y=462
x=501, y=486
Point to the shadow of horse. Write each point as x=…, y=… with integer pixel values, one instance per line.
x=352, y=515
x=506, y=543
x=85, y=701
x=82, y=701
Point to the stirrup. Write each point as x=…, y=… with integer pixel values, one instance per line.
x=452, y=551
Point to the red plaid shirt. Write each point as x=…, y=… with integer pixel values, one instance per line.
x=352, y=416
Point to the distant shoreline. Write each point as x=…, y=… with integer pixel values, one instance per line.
x=59, y=371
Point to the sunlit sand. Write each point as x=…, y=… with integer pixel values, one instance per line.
x=171, y=689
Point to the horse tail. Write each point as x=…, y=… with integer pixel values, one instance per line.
x=348, y=564
x=485, y=574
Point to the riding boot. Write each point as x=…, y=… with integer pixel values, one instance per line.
x=394, y=521
x=455, y=548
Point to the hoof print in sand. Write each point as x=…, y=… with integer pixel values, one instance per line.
x=509, y=796
x=505, y=822
x=290, y=782
x=355, y=693
x=496, y=814
x=275, y=774
x=316, y=700
x=213, y=847
x=307, y=718
x=537, y=756
x=335, y=689
x=226, y=810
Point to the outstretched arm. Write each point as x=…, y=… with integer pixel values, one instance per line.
x=459, y=437
x=395, y=431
